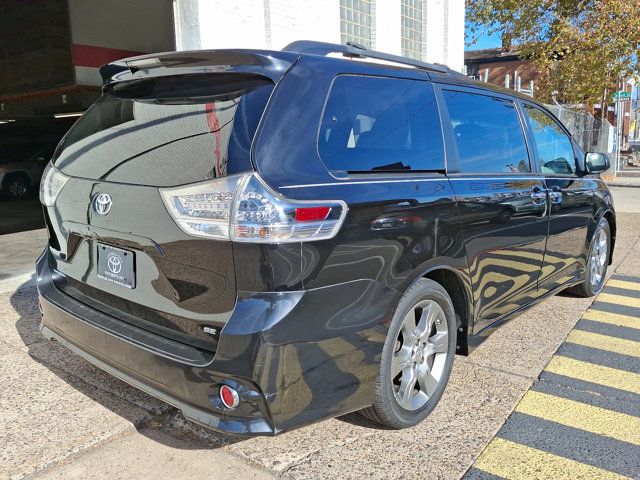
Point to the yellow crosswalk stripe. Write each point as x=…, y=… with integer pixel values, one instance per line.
x=612, y=318
x=511, y=460
x=605, y=342
x=589, y=372
x=600, y=421
x=514, y=461
x=635, y=286
x=619, y=300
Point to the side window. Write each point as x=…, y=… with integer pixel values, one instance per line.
x=375, y=124
x=555, y=152
x=488, y=133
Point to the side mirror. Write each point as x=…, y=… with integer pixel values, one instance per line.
x=595, y=162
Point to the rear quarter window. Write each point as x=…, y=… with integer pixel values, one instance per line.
x=379, y=124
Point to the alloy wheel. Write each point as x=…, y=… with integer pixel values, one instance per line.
x=17, y=189
x=598, y=258
x=420, y=354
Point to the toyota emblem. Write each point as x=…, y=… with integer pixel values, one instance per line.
x=102, y=203
x=114, y=263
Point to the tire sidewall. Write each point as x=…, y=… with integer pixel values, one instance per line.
x=423, y=289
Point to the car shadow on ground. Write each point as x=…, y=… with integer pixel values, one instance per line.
x=151, y=417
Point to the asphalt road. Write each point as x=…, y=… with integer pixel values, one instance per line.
x=62, y=418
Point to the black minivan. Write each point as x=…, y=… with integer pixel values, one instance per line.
x=265, y=239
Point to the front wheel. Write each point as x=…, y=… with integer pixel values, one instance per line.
x=417, y=357
x=597, y=262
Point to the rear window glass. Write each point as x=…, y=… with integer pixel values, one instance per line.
x=375, y=124
x=488, y=133
x=167, y=131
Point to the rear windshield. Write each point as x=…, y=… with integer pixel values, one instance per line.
x=167, y=131
x=376, y=124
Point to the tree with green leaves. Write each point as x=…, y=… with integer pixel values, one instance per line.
x=581, y=48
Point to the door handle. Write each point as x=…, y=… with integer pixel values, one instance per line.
x=555, y=195
x=538, y=196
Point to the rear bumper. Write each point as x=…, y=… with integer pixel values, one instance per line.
x=291, y=362
x=177, y=374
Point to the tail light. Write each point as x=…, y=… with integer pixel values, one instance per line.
x=243, y=208
x=52, y=182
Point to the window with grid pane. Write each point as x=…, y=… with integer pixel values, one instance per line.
x=357, y=22
x=411, y=31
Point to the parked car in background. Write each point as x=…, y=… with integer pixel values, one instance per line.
x=21, y=171
x=26, y=146
x=266, y=239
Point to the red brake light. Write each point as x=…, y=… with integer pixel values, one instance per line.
x=311, y=214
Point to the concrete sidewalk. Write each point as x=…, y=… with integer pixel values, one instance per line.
x=624, y=181
x=18, y=252
x=583, y=414
x=62, y=418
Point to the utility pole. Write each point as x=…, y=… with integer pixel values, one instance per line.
x=636, y=132
x=619, y=120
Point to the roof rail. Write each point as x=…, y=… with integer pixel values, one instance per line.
x=355, y=50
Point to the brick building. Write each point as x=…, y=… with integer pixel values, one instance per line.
x=501, y=66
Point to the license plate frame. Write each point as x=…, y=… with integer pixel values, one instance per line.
x=116, y=265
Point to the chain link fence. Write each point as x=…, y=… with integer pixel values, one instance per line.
x=592, y=134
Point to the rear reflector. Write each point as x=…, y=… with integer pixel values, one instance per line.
x=312, y=213
x=229, y=397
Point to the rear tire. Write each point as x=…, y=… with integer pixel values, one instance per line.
x=417, y=357
x=597, y=262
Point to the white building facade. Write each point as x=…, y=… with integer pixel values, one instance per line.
x=429, y=30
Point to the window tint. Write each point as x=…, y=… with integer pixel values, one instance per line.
x=167, y=131
x=488, y=133
x=381, y=124
x=555, y=152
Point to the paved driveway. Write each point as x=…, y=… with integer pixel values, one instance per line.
x=62, y=418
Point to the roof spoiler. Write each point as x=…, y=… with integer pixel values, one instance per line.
x=355, y=50
x=269, y=64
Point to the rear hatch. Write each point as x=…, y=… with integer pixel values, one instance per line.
x=181, y=120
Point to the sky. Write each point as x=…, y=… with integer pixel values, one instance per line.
x=486, y=41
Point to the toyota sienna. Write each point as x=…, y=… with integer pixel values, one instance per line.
x=265, y=239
